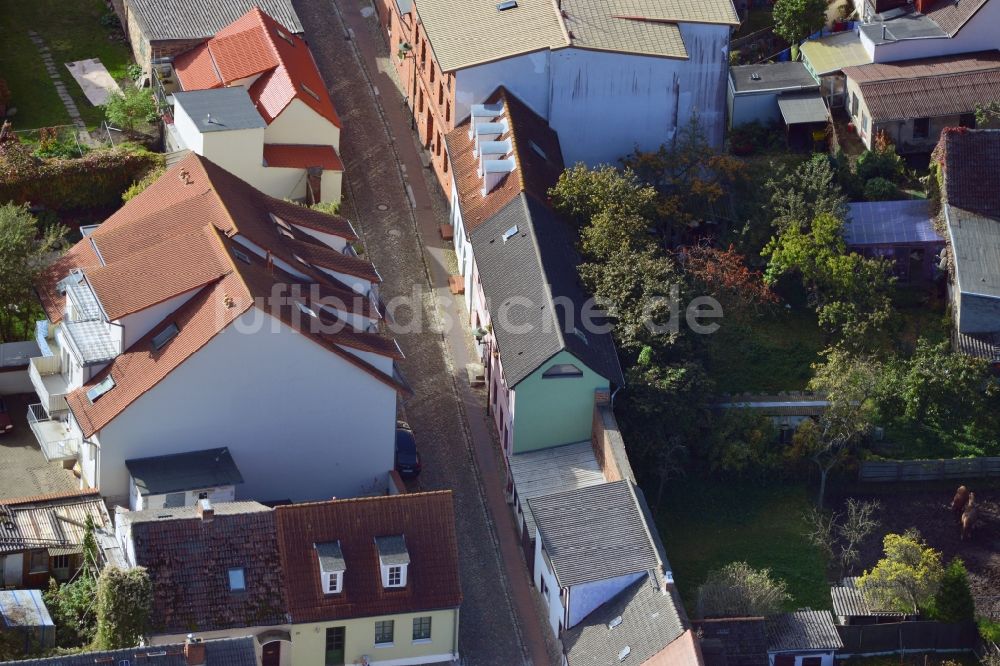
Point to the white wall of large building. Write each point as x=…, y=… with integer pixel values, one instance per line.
x=260, y=394
x=979, y=34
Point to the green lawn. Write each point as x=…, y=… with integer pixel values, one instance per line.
x=914, y=660
x=770, y=354
x=707, y=524
x=73, y=31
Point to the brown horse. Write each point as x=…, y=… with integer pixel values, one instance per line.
x=969, y=517
x=958, y=502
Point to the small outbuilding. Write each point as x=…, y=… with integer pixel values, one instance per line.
x=24, y=612
x=181, y=479
x=851, y=606
x=754, y=90
x=802, y=638
x=900, y=231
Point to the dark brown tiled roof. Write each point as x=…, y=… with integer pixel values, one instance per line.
x=533, y=173
x=951, y=16
x=971, y=162
x=425, y=520
x=930, y=87
x=189, y=559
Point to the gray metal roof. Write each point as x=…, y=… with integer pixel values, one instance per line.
x=18, y=354
x=975, y=243
x=594, y=533
x=771, y=76
x=220, y=109
x=523, y=277
x=192, y=470
x=850, y=601
x=187, y=512
x=649, y=622
x=392, y=549
x=219, y=652
x=890, y=222
x=23, y=608
x=553, y=471
x=802, y=630
x=803, y=107
x=980, y=345
x=909, y=26
x=331, y=557
x=170, y=19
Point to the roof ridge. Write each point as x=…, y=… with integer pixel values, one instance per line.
x=546, y=281
x=358, y=500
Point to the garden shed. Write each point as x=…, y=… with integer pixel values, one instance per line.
x=24, y=612
x=901, y=231
x=754, y=90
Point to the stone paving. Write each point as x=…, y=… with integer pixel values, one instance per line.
x=387, y=197
x=24, y=472
x=53, y=72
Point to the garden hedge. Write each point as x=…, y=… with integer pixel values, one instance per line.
x=97, y=179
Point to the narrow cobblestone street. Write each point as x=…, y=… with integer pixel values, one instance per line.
x=389, y=198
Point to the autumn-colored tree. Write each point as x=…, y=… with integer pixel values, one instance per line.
x=908, y=577
x=724, y=275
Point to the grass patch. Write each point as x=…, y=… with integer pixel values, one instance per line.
x=772, y=353
x=914, y=660
x=706, y=525
x=73, y=31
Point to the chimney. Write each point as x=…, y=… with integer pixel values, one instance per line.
x=206, y=513
x=194, y=651
x=921, y=5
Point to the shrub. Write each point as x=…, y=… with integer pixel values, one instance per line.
x=328, y=207
x=139, y=186
x=96, y=179
x=880, y=189
x=953, y=602
x=130, y=108
x=882, y=162
x=989, y=630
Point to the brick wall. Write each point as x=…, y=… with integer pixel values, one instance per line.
x=609, y=447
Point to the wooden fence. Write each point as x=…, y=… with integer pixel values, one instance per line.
x=907, y=637
x=929, y=470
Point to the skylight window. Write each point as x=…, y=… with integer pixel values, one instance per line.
x=309, y=91
x=510, y=233
x=100, y=389
x=242, y=256
x=580, y=334
x=237, y=580
x=506, y=4
x=284, y=35
x=305, y=309
x=165, y=336
x=538, y=150
x=280, y=222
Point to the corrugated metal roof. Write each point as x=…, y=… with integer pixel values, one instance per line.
x=594, y=533
x=928, y=88
x=803, y=630
x=553, y=471
x=169, y=19
x=975, y=243
x=57, y=523
x=803, y=107
x=827, y=55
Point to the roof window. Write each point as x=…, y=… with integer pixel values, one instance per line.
x=309, y=91
x=506, y=4
x=284, y=35
x=510, y=233
x=165, y=336
x=100, y=389
x=242, y=256
x=624, y=653
x=305, y=309
x=615, y=622
x=562, y=370
x=538, y=150
x=237, y=580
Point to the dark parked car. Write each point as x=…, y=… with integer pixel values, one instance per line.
x=6, y=425
x=407, y=458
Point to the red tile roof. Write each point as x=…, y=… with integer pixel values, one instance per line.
x=256, y=45
x=928, y=88
x=966, y=155
x=302, y=157
x=533, y=173
x=178, y=236
x=425, y=520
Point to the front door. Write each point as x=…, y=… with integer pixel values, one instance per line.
x=334, y=646
x=271, y=654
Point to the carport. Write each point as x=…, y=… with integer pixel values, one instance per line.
x=806, y=118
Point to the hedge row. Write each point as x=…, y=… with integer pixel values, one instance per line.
x=97, y=179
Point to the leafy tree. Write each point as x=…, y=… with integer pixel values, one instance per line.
x=25, y=250
x=124, y=602
x=581, y=193
x=882, y=161
x=739, y=590
x=744, y=444
x=988, y=116
x=794, y=20
x=881, y=189
x=129, y=108
x=809, y=251
x=849, y=383
x=807, y=192
x=691, y=178
x=724, y=275
x=909, y=575
x=72, y=608
x=638, y=290
x=953, y=602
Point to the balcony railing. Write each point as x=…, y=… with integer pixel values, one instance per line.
x=48, y=383
x=54, y=436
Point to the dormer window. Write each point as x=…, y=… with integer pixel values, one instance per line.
x=331, y=566
x=394, y=560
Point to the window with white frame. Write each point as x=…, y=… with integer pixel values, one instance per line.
x=394, y=577
x=334, y=582
x=422, y=628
